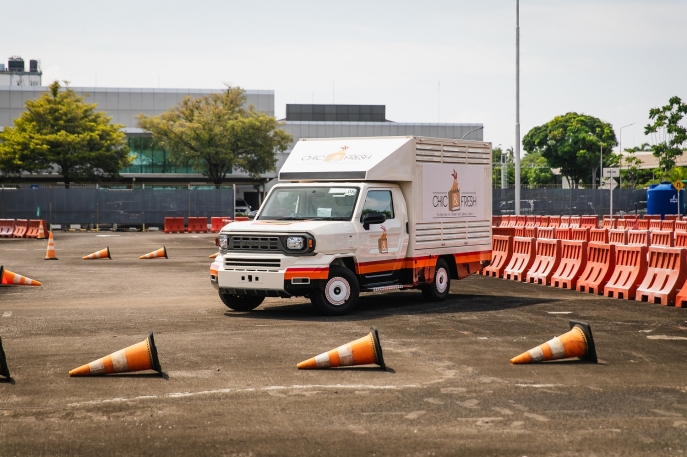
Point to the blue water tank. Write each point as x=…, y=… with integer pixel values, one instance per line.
x=662, y=199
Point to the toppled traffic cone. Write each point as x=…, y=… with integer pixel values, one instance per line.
x=7, y=278
x=102, y=254
x=50, y=253
x=159, y=253
x=4, y=370
x=137, y=357
x=363, y=351
x=578, y=342
x=214, y=255
x=41, y=231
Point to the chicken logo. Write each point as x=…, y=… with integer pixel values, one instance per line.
x=454, y=194
x=337, y=156
x=382, y=242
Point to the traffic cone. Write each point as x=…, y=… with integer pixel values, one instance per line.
x=578, y=342
x=50, y=254
x=162, y=252
x=4, y=370
x=103, y=253
x=363, y=351
x=137, y=357
x=7, y=278
x=41, y=232
x=214, y=255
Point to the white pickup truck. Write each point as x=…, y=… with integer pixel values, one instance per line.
x=353, y=215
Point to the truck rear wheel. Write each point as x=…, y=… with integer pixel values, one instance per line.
x=340, y=294
x=241, y=302
x=438, y=289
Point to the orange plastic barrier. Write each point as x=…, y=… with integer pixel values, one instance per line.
x=608, y=223
x=510, y=221
x=197, y=225
x=495, y=221
x=546, y=233
x=589, y=222
x=573, y=263
x=531, y=232
x=34, y=225
x=681, y=239
x=631, y=217
x=622, y=224
x=20, y=228
x=6, y=227
x=671, y=217
x=503, y=231
x=666, y=271
x=244, y=218
x=575, y=221
x=617, y=236
x=174, y=225
x=544, y=221
x=216, y=223
x=501, y=252
x=546, y=262
x=630, y=269
x=520, y=221
x=598, y=235
x=563, y=233
x=600, y=263
x=579, y=234
x=662, y=238
x=554, y=221
x=681, y=226
x=652, y=217
x=668, y=225
x=524, y=252
x=643, y=224
x=565, y=222
x=655, y=224
x=519, y=231
x=530, y=221
x=642, y=237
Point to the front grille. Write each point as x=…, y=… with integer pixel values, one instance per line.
x=254, y=243
x=251, y=264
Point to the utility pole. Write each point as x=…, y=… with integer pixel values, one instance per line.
x=517, y=107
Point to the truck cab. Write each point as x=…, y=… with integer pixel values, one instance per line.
x=334, y=226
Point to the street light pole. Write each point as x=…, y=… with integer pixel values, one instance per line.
x=517, y=107
x=620, y=147
x=473, y=130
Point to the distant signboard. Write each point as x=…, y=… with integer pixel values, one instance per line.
x=612, y=172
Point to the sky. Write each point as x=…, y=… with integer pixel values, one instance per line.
x=430, y=61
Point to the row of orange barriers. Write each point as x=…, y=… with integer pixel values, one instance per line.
x=198, y=224
x=21, y=228
x=656, y=274
x=649, y=222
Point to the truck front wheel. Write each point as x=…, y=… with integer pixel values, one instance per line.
x=438, y=289
x=241, y=302
x=340, y=293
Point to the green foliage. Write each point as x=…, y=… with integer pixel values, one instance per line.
x=501, y=158
x=215, y=134
x=632, y=176
x=59, y=130
x=666, y=129
x=535, y=170
x=573, y=143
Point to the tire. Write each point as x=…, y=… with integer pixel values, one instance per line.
x=441, y=284
x=340, y=295
x=241, y=302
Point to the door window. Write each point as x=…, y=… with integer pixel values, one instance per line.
x=380, y=201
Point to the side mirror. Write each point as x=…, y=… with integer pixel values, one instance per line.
x=373, y=217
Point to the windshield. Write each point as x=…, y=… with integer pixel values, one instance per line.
x=301, y=203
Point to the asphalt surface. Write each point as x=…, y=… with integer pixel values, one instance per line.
x=230, y=386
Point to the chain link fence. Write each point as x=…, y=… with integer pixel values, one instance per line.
x=575, y=202
x=103, y=208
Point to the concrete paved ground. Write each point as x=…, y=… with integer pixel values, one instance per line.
x=231, y=387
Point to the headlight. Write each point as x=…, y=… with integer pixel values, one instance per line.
x=295, y=243
x=222, y=241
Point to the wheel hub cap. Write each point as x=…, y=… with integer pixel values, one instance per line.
x=337, y=291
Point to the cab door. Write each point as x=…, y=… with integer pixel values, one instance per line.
x=382, y=249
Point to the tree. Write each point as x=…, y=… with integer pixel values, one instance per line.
x=666, y=129
x=573, y=143
x=215, y=134
x=502, y=159
x=535, y=170
x=59, y=132
x=631, y=173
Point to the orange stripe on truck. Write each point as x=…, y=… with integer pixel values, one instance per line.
x=312, y=273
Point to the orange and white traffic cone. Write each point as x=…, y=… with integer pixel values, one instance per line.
x=4, y=370
x=102, y=254
x=578, y=342
x=214, y=255
x=50, y=253
x=137, y=357
x=7, y=278
x=41, y=232
x=363, y=351
x=159, y=253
